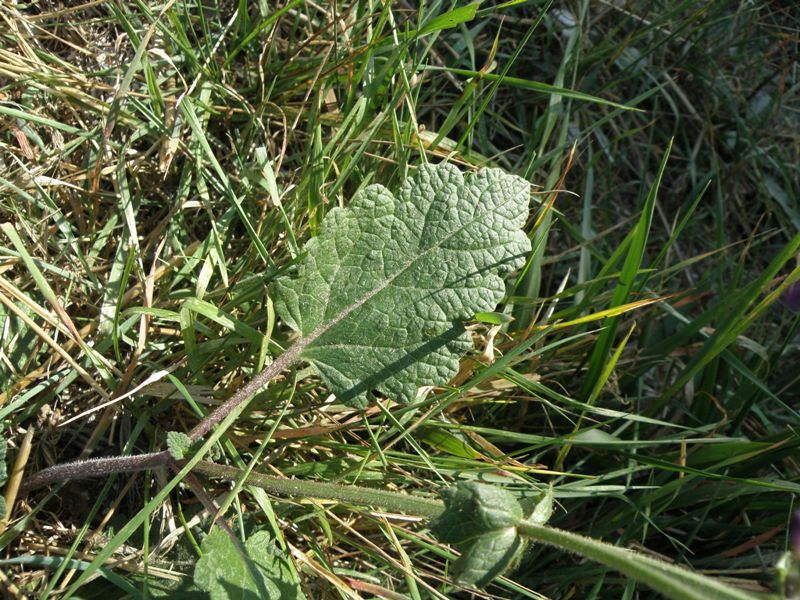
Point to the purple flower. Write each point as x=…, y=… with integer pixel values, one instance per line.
x=791, y=298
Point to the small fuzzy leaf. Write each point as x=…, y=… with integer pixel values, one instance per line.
x=544, y=508
x=480, y=521
x=491, y=555
x=258, y=573
x=473, y=509
x=383, y=291
x=179, y=444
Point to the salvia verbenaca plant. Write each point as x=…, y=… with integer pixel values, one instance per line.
x=379, y=303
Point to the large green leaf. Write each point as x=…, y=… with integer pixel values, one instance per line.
x=383, y=291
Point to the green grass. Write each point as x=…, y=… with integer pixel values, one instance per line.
x=161, y=164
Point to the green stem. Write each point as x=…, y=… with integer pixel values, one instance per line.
x=360, y=496
x=673, y=581
x=670, y=580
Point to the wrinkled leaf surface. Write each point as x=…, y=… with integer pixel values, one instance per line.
x=383, y=291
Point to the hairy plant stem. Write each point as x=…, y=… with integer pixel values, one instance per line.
x=284, y=361
x=670, y=580
x=95, y=467
x=121, y=464
x=350, y=494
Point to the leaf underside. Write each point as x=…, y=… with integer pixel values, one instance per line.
x=383, y=291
